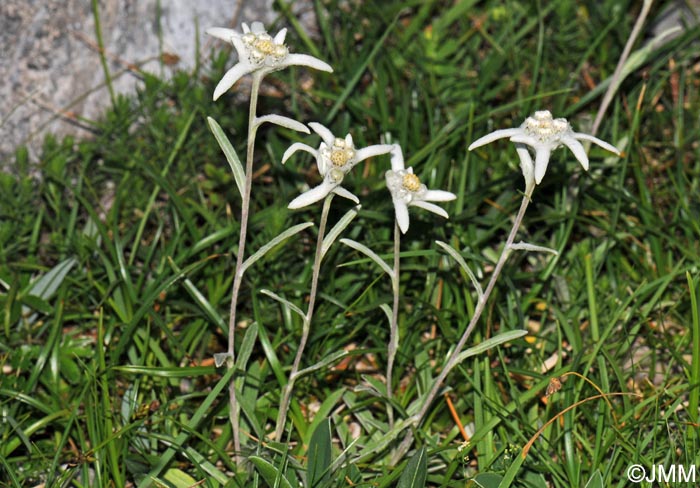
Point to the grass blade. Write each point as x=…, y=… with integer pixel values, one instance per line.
x=491, y=343
x=330, y=359
x=101, y=50
x=49, y=282
x=191, y=425
x=596, y=480
x=338, y=228
x=319, y=456
x=526, y=246
x=200, y=299
x=269, y=472
x=416, y=471
x=230, y=153
x=460, y=260
x=370, y=254
x=388, y=312
x=695, y=361
x=284, y=302
x=154, y=193
x=274, y=242
x=328, y=405
x=360, y=70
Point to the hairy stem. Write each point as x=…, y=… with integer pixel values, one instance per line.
x=394, y=326
x=306, y=326
x=238, y=274
x=480, y=306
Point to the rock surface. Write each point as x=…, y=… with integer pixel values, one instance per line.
x=53, y=79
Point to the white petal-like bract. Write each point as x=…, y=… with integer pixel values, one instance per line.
x=543, y=134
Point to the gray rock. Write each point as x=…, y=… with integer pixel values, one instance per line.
x=674, y=17
x=53, y=79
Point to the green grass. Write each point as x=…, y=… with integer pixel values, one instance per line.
x=116, y=266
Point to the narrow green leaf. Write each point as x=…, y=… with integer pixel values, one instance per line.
x=36, y=303
x=370, y=254
x=90, y=230
x=324, y=411
x=200, y=299
x=127, y=284
x=526, y=246
x=694, y=399
x=596, y=480
x=230, y=153
x=205, y=465
x=338, y=228
x=25, y=434
x=282, y=121
x=147, y=305
x=330, y=359
x=387, y=311
x=191, y=426
x=491, y=343
x=277, y=240
x=416, y=471
x=271, y=356
x=284, y=302
x=52, y=342
x=487, y=480
x=178, y=478
x=48, y=283
x=241, y=365
x=375, y=445
x=319, y=456
x=10, y=470
x=156, y=190
x=272, y=475
x=351, y=84
x=211, y=239
x=493, y=480
x=248, y=408
x=533, y=479
x=373, y=385
x=460, y=260
x=251, y=334
x=166, y=372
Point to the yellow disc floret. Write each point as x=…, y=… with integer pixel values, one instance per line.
x=263, y=48
x=411, y=182
x=341, y=153
x=265, y=45
x=340, y=157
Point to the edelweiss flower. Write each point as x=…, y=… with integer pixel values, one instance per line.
x=259, y=53
x=544, y=135
x=407, y=190
x=335, y=157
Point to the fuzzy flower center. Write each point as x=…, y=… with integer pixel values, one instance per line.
x=263, y=49
x=405, y=186
x=544, y=128
x=341, y=153
x=411, y=182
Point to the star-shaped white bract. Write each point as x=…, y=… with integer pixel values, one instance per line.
x=335, y=157
x=544, y=134
x=259, y=53
x=407, y=190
